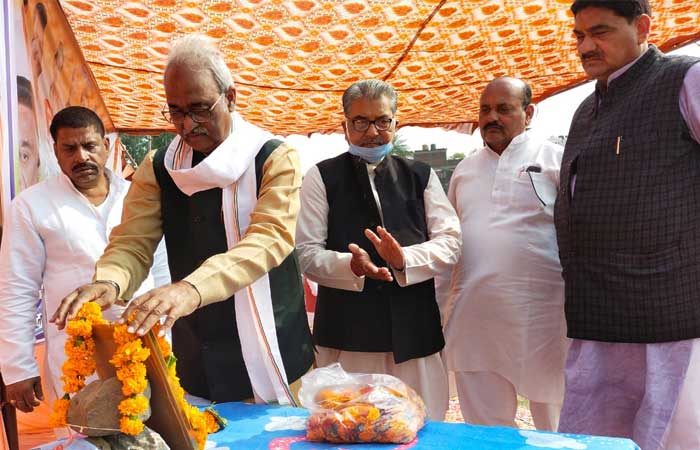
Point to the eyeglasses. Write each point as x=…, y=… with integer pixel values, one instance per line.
x=362, y=125
x=197, y=115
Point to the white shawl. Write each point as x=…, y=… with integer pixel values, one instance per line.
x=231, y=167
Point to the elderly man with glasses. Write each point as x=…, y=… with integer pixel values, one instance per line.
x=374, y=230
x=226, y=195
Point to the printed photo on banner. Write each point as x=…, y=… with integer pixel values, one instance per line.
x=51, y=75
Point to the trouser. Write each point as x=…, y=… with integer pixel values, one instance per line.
x=487, y=398
x=649, y=393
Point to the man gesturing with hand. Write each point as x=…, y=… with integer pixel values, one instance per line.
x=373, y=231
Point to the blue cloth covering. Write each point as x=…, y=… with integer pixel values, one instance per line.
x=261, y=427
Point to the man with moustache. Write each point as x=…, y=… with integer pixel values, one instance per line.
x=505, y=334
x=55, y=232
x=226, y=195
x=373, y=232
x=627, y=225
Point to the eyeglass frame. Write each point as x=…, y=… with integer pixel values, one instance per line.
x=351, y=122
x=166, y=111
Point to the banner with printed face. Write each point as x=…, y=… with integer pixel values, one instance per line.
x=46, y=73
x=42, y=71
x=5, y=106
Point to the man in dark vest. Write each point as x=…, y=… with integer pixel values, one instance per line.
x=628, y=226
x=226, y=195
x=373, y=231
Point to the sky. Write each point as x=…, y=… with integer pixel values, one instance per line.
x=552, y=118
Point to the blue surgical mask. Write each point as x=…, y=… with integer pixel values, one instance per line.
x=371, y=154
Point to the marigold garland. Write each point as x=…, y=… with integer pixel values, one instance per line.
x=80, y=364
x=128, y=360
x=202, y=422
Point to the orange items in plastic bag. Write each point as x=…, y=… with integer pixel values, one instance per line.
x=347, y=407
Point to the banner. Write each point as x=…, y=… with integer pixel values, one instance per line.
x=5, y=105
x=44, y=73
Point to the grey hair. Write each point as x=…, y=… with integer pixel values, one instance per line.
x=197, y=51
x=372, y=89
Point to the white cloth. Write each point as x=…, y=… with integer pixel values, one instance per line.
x=423, y=261
x=504, y=304
x=52, y=237
x=644, y=392
x=486, y=398
x=332, y=269
x=683, y=432
x=231, y=167
x=424, y=375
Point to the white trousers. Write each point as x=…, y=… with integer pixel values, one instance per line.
x=486, y=398
x=683, y=432
x=426, y=375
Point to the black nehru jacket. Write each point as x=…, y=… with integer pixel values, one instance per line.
x=384, y=317
x=206, y=343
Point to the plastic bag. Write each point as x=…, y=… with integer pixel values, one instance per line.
x=352, y=407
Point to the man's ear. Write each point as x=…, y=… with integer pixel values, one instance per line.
x=643, y=28
x=529, y=113
x=231, y=98
x=106, y=143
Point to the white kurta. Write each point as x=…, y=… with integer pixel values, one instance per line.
x=53, y=237
x=422, y=262
x=505, y=302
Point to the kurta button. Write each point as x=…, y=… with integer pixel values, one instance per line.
x=197, y=219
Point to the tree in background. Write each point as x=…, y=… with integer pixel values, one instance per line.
x=139, y=146
x=401, y=147
x=457, y=156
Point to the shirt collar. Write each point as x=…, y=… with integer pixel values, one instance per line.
x=115, y=183
x=618, y=73
x=515, y=142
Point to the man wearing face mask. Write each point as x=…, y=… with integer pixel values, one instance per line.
x=226, y=195
x=55, y=232
x=505, y=331
x=373, y=232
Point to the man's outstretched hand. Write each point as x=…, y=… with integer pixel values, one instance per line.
x=104, y=294
x=361, y=264
x=387, y=247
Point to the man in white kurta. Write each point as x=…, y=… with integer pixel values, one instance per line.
x=506, y=332
x=52, y=239
x=345, y=274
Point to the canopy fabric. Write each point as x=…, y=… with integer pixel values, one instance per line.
x=292, y=59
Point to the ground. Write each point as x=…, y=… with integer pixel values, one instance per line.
x=523, y=418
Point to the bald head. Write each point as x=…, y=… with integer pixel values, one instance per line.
x=505, y=111
x=513, y=83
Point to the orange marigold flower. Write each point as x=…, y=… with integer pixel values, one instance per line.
x=133, y=386
x=133, y=406
x=72, y=385
x=57, y=419
x=121, y=336
x=212, y=425
x=164, y=346
x=130, y=426
x=79, y=327
x=91, y=312
x=133, y=351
